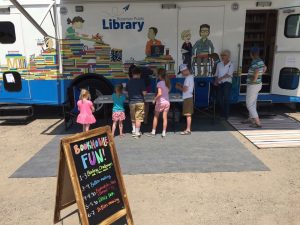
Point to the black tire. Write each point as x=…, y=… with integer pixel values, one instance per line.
x=298, y=107
x=97, y=88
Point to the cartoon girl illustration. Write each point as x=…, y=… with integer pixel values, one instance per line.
x=76, y=24
x=186, y=49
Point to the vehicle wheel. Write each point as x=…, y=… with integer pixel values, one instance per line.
x=96, y=88
x=298, y=107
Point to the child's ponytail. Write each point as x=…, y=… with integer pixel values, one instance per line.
x=162, y=73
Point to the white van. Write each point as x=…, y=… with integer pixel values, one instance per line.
x=48, y=47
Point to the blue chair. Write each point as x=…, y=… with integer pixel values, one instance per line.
x=70, y=109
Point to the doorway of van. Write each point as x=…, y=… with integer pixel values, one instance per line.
x=13, y=64
x=260, y=31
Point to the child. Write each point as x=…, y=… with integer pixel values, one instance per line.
x=162, y=101
x=118, y=109
x=136, y=90
x=86, y=109
x=187, y=94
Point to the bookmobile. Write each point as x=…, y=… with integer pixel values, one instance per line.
x=51, y=48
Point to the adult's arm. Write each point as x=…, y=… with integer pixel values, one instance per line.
x=255, y=75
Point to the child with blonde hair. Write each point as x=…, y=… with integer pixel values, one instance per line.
x=118, y=114
x=86, y=109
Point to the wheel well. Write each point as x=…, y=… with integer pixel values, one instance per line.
x=83, y=78
x=88, y=76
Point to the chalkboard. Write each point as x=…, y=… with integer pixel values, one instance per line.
x=96, y=177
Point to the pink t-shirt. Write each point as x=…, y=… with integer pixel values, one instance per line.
x=85, y=107
x=164, y=98
x=86, y=115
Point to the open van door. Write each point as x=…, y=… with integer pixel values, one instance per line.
x=286, y=76
x=13, y=62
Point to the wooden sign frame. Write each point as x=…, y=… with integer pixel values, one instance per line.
x=67, y=175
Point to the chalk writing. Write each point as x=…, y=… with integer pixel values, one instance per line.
x=97, y=178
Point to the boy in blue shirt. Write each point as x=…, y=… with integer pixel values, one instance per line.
x=136, y=90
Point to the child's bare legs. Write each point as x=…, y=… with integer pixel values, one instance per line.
x=155, y=121
x=87, y=127
x=165, y=122
x=188, y=122
x=121, y=128
x=137, y=127
x=114, y=127
x=133, y=126
x=83, y=127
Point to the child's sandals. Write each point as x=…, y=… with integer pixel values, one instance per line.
x=255, y=125
x=186, y=132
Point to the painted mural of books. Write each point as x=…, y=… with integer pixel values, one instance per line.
x=116, y=55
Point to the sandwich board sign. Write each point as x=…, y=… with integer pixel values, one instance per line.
x=89, y=174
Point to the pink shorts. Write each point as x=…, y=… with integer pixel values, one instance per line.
x=118, y=116
x=162, y=107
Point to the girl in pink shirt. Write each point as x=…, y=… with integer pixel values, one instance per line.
x=86, y=109
x=161, y=100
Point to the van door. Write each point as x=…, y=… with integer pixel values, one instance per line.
x=12, y=58
x=286, y=77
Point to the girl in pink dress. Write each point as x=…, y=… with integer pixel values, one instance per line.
x=161, y=101
x=86, y=109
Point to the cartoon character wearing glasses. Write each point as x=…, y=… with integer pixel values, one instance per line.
x=202, y=49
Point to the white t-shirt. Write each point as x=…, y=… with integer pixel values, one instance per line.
x=189, y=82
x=222, y=70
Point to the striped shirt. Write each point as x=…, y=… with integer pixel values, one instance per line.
x=256, y=64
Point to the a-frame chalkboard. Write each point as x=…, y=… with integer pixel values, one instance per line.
x=89, y=174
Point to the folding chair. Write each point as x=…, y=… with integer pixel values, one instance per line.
x=70, y=109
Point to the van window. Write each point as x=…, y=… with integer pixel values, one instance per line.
x=7, y=33
x=289, y=78
x=292, y=26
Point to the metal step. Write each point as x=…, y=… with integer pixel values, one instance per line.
x=15, y=107
x=15, y=118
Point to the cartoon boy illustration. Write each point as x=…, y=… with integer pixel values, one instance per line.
x=202, y=49
x=186, y=48
x=76, y=22
x=152, y=32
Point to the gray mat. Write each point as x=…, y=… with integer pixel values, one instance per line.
x=212, y=148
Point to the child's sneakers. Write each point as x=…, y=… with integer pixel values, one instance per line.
x=137, y=135
x=150, y=134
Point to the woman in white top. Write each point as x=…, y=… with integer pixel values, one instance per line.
x=223, y=79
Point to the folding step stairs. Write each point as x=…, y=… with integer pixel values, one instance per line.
x=16, y=113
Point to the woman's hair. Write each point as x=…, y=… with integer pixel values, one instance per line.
x=75, y=20
x=185, y=33
x=254, y=51
x=119, y=89
x=163, y=75
x=226, y=52
x=84, y=94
